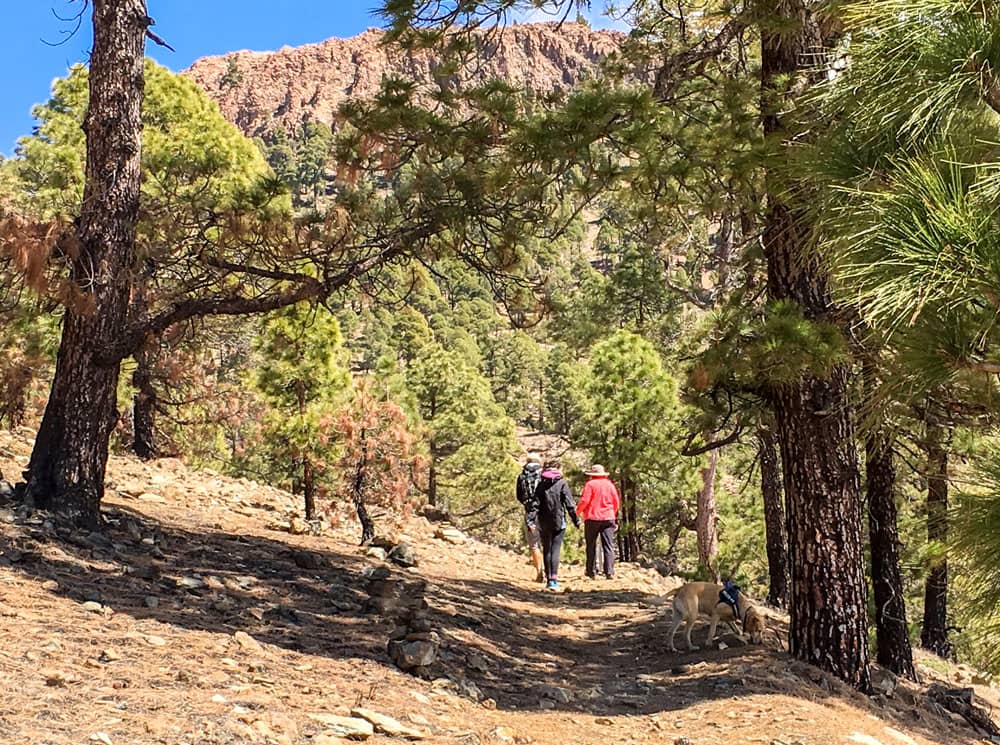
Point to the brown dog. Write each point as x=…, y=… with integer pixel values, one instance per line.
x=702, y=598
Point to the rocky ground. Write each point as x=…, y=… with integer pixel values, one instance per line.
x=206, y=613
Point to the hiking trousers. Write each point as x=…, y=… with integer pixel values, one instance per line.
x=551, y=548
x=605, y=530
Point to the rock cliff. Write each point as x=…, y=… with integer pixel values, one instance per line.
x=264, y=91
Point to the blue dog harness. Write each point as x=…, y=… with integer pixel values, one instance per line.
x=730, y=595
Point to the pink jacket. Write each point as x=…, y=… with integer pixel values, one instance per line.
x=599, y=501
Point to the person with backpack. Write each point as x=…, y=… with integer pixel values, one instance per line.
x=554, y=501
x=599, y=505
x=527, y=484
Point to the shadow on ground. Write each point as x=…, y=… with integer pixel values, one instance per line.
x=592, y=651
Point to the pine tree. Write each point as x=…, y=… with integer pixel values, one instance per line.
x=302, y=376
x=66, y=470
x=470, y=440
x=630, y=424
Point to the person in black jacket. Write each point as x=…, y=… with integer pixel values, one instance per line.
x=527, y=485
x=554, y=501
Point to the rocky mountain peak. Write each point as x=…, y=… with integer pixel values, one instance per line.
x=261, y=92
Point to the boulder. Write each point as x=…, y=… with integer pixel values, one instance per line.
x=403, y=555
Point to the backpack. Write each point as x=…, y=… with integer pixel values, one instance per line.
x=528, y=481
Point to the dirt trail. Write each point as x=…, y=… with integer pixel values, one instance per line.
x=197, y=617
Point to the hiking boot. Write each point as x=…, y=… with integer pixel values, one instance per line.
x=540, y=577
x=552, y=585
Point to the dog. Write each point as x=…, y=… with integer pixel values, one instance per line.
x=695, y=598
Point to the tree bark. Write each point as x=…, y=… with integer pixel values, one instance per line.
x=360, y=472
x=66, y=470
x=432, y=482
x=706, y=518
x=774, y=517
x=934, y=634
x=828, y=603
x=891, y=631
x=308, y=469
x=144, y=406
x=309, y=487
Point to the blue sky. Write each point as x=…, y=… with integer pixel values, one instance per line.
x=195, y=28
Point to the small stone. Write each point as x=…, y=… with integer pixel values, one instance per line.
x=682, y=741
x=297, y=526
x=307, y=560
x=109, y=655
x=375, y=552
x=403, y=555
x=386, y=724
x=546, y=704
x=503, y=734
x=982, y=679
x=101, y=737
x=411, y=654
x=247, y=642
x=451, y=535
x=54, y=678
x=489, y=703
x=51, y=585
x=477, y=662
x=155, y=641
x=553, y=693
x=152, y=497
x=603, y=720
x=93, y=607
x=151, y=601
x=352, y=728
x=218, y=698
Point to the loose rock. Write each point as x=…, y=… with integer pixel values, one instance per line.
x=386, y=724
x=353, y=728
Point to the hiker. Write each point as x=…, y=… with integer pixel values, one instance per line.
x=553, y=501
x=599, y=505
x=527, y=484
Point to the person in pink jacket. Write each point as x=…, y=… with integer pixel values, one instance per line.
x=598, y=506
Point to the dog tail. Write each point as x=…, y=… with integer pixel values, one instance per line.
x=670, y=594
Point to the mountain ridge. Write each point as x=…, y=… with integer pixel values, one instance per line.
x=261, y=92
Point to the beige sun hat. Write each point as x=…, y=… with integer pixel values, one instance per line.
x=596, y=470
x=534, y=458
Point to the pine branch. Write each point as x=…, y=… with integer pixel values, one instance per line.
x=676, y=68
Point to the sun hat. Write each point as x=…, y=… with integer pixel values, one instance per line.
x=534, y=458
x=596, y=470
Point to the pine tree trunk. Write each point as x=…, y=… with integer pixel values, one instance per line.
x=66, y=470
x=360, y=471
x=706, y=518
x=934, y=635
x=774, y=518
x=309, y=487
x=144, y=406
x=828, y=603
x=432, y=482
x=891, y=631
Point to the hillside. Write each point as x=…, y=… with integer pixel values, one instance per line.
x=264, y=91
x=199, y=617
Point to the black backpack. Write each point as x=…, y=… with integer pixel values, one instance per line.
x=528, y=481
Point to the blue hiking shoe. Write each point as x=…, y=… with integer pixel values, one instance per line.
x=552, y=585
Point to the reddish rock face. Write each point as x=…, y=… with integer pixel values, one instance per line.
x=264, y=91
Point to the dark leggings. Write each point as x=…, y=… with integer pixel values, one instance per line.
x=551, y=548
x=605, y=530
